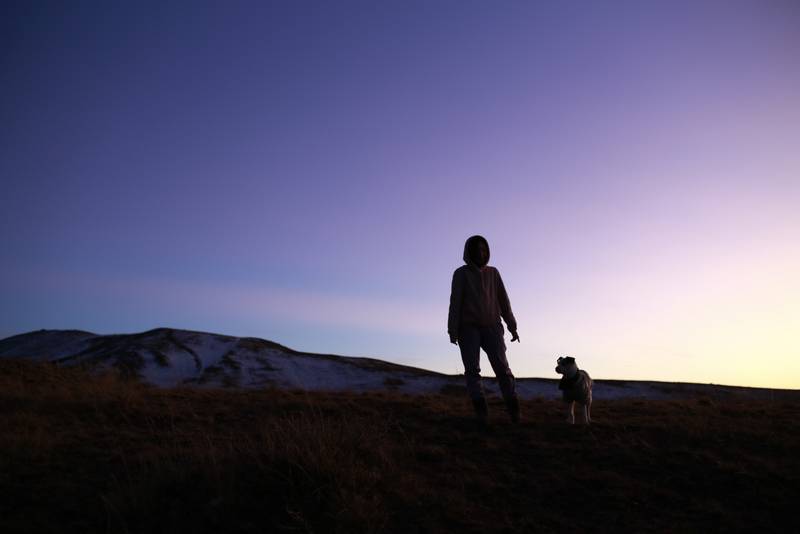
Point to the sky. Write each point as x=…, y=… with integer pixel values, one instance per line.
x=308, y=172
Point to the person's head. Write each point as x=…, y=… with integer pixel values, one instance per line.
x=476, y=251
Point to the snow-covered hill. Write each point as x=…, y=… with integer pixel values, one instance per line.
x=170, y=357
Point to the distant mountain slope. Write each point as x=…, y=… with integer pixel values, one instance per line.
x=170, y=357
x=45, y=344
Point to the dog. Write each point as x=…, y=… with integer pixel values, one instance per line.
x=576, y=386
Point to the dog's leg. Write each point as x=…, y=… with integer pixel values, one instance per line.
x=571, y=413
x=586, y=419
x=589, y=411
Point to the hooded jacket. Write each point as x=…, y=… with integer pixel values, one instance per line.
x=478, y=296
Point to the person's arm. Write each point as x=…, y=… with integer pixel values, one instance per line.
x=505, y=308
x=456, y=295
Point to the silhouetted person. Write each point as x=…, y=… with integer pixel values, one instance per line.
x=477, y=301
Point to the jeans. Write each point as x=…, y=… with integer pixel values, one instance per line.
x=489, y=338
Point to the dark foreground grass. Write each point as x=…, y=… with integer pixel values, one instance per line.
x=96, y=454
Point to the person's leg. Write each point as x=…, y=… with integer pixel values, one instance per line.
x=469, y=342
x=494, y=345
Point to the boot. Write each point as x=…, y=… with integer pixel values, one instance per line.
x=481, y=408
x=512, y=404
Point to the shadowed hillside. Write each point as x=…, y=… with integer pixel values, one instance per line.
x=84, y=453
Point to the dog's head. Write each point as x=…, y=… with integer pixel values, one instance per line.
x=566, y=366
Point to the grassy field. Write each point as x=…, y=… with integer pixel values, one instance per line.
x=96, y=454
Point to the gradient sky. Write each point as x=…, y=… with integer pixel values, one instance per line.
x=307, y=172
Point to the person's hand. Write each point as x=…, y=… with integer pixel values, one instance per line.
x=514, y=336
x=454, y=340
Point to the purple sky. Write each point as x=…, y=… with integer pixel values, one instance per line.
x=308, y=173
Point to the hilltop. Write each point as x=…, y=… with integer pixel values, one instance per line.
x=169, y=357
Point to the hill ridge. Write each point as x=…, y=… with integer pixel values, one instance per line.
x=170, y=357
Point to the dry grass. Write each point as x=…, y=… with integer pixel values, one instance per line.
x=99, y=454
